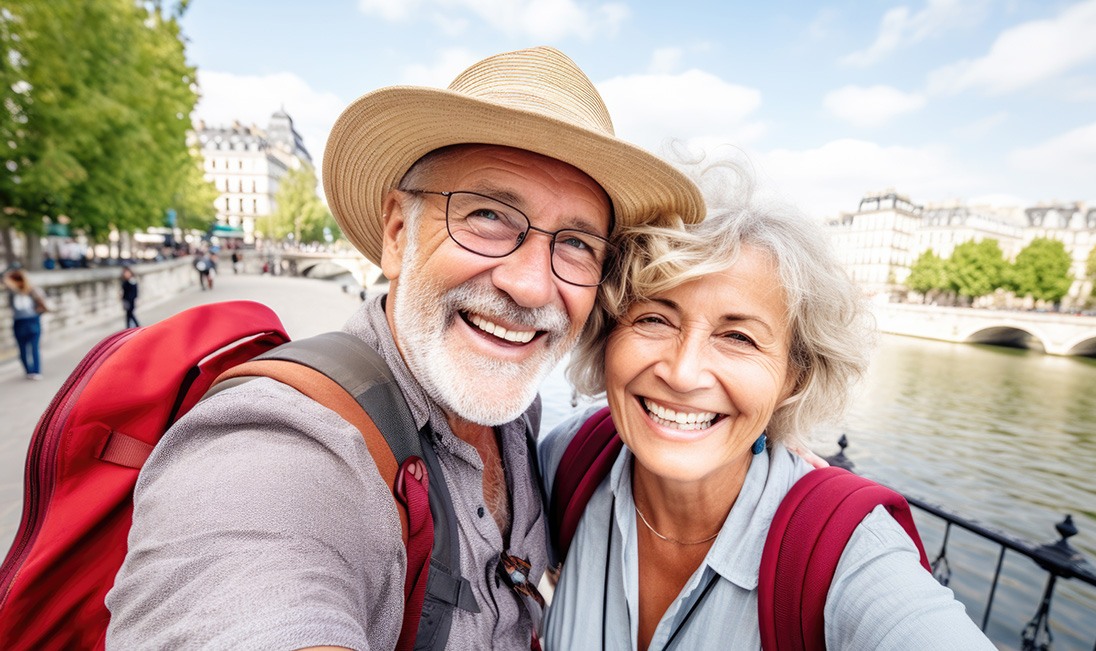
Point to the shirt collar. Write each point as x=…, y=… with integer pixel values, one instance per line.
x=736, y=553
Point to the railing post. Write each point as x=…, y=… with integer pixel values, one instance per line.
x=1065, y=555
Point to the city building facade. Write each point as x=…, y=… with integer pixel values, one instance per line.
x=880, y=241
x=245, y=164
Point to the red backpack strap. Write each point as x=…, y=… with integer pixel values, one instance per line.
x=584, y=465
x=808, y=535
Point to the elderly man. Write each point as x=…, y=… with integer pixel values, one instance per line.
x=261, y=521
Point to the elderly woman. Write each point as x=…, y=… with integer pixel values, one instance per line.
x=718, y=349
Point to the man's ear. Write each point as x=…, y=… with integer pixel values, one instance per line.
x=395, y=234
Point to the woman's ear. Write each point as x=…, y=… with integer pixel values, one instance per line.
x=395, y=234
x=793, y=384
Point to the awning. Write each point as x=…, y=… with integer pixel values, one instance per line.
x=224, y=230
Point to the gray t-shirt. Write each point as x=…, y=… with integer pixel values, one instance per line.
x=261, y=522
x=880, y=597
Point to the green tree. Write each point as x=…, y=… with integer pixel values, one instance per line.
x=976, y=268
x=1090, y=270
x=298, y=209
x=194, y=200
x=99, y=113
x=1042, y=271
x=929, y=274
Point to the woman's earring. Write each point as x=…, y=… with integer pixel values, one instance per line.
x=759, y=444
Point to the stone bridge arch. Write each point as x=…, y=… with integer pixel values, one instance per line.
x=363, y=272
x=1005, y=335
x=1084, y=346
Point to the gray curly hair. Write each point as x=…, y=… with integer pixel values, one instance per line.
x=831, y=328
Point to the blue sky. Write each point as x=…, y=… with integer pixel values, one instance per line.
x=984, y=101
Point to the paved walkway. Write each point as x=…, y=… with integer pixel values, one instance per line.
x=306, y=307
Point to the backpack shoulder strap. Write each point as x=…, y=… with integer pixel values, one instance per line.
x=341, y=372
x=584, y=465
x=809, y=532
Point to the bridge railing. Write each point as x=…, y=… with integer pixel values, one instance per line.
x=1056, y=560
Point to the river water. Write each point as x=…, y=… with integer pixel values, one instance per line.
x=1002, y=436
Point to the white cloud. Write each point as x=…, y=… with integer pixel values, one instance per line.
x=1062, y=164
x=665, y=60
x=1026, y=55
x=899, y=27
x=391, y=10
x=539, y=19
x=873, y=106
x=450, y=63
x=981, y=126
x=251, y=99
x=834, y=177
x=649, y=109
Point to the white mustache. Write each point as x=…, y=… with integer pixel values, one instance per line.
x=494, y=305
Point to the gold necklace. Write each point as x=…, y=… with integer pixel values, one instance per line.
x=667, y=538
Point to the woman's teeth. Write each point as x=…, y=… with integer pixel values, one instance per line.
x=680, y=420
x=490, y=328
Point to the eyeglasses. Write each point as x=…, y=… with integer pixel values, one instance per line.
x=494, y=229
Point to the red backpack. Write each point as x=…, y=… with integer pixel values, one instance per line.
x=809, y=532
x=102, y=425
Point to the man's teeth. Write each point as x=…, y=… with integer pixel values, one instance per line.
x=515, y=336
x=680, y=420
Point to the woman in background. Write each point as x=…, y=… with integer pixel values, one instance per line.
x=27, y=306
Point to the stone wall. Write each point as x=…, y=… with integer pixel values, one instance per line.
x=81, y=298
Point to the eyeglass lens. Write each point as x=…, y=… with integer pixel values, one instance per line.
x=494, y=229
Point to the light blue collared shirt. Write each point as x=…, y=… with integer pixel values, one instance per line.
x=880, y=597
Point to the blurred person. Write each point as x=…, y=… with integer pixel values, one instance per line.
x=204, y=265
x=129, y=296
x=719, y=348
x=27, y=305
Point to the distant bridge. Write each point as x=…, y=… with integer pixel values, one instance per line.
x=305, y=263
x=1055, y=333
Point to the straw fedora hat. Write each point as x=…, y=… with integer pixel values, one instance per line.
x=535, y=99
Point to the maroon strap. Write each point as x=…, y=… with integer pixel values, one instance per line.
x=806, y=539
x=585, y=464
x=415, y=495
x=125, y=450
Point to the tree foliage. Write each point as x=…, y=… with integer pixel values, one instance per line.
x=1042, y=270
x=976, y=268
x=298, y=209
x=94, y=121
x=929, y=273
x=1090, y=271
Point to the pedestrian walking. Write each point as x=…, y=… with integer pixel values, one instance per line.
x=27, y=305
x=204, y=265
x=129, y=296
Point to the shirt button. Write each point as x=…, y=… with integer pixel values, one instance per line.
x=480, y=511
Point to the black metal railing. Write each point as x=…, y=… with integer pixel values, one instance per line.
x=1057, y=559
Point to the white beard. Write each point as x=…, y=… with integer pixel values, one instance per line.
x=477, y=388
